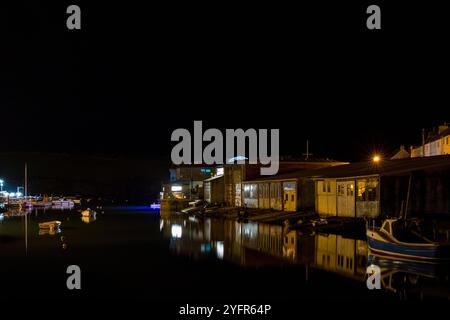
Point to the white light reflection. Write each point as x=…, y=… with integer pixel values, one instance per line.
x=219, y=249
x=176, y=231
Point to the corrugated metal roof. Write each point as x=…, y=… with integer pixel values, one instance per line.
x=384, y=167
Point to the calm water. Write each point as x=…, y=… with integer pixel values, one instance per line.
x=137, y=254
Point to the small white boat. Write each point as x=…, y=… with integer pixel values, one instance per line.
x=50, y=225
x=63, y=203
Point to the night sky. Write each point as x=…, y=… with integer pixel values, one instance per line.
x=118, y=87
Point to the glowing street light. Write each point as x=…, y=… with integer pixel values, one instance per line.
x=376, y=158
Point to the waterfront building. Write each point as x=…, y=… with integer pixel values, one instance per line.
x=361, y=189
x=186, y=182
x=214, y=187
x=290, y=191
x=372, y=189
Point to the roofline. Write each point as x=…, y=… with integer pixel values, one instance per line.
x=312, y=178
x=350, y=177
x=271, y=180
x=213, y=178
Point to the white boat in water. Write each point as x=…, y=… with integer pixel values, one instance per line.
x=63, y=203
x=88, y=213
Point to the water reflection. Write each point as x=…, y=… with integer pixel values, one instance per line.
x=89, y=219
x=257, y=245
x=51, y=232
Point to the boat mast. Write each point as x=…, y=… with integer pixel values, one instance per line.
x=407, y=196
x=26, y=180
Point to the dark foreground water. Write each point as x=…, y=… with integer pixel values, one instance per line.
x=126, y=254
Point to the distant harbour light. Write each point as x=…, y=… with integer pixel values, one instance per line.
x=176, y=188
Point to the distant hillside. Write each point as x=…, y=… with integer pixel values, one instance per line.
x=132, y=178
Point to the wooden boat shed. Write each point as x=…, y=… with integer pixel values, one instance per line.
x=360, y=189
x=369, y=189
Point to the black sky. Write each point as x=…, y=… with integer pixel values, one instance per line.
x=133, y=74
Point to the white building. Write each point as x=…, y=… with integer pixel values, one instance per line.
x=437, y=143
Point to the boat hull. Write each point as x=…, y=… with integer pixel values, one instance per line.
x=431, y=252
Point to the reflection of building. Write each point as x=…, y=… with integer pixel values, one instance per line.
x=341, y=255
x=257, y=244
x=299, y=248
x=260, y=245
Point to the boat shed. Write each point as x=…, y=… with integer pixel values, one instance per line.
x=291, y=191
x=415, y=186
x=239, y=192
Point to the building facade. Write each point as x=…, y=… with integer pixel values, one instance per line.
x=186, y=182
x=437, y=143
x=290, y=191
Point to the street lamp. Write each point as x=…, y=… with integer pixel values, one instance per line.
x=376, y=158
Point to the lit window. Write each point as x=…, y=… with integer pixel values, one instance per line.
x=220, y=171
x=350, y=189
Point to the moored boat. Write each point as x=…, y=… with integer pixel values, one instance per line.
x=41, y=204
x=88, y=213
x=395, y=239
x=63, y=203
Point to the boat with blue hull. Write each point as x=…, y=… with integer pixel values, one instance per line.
x=394, y=239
